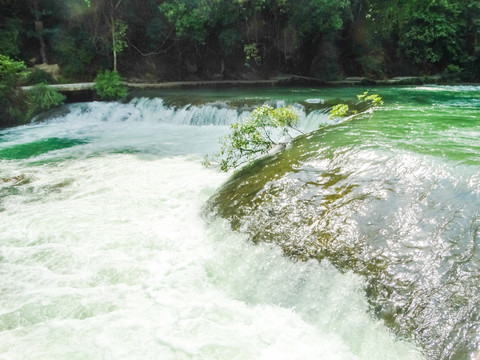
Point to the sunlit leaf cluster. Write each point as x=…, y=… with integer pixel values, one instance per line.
x=9, y=69
x=256, y=135
x=339, y=110
x=374, y=99
x=365, y=102
x=120, y=38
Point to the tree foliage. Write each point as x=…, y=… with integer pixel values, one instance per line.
x=256, y=135
x=10, y=70
x=320, y=38
x=316, y=17
x=266, y=128
x=430, y=36
x=74, y=52
x=10, y=30
x=11, y=98
x=188, y=17
x=251, y=53
x=339, y=111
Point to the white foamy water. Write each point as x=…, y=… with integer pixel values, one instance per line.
x=104, y=254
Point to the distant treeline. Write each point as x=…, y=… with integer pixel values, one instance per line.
x=224, y=39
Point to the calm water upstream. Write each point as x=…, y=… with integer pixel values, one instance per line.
x=105, y=254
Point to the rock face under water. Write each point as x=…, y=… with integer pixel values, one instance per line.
x=396, y=217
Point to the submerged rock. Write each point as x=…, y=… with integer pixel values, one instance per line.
x=399, y=218
x=15, y=180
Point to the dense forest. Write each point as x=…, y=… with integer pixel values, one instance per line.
x=171, y=40
x=157, y=40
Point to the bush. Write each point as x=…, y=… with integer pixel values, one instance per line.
x=43, y=97
x=10, y=70
x=453, y=69
x=109, y=86
x=11, y=98
x=38, y=76
x=452, y=73
x=12, y=106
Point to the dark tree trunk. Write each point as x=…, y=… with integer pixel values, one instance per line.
x=43, y=47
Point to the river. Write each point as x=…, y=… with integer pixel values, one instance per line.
x=105, y=253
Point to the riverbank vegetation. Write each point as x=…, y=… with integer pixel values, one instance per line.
x=17, y=106
x=175, y=40
x=108, y=86
x=201, y=39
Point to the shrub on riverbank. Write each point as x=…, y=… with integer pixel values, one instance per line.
x=42, y=97
x=109, y=86
x=11, y=98
x=17, y=106
x=37, y=76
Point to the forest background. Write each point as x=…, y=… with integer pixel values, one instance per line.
x=174, y=40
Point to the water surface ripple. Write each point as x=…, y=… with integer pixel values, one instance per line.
x=393, y=196
x=104, y=253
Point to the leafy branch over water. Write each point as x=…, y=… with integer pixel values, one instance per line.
x=266, y=128
x=256, y=135
x=365, y=102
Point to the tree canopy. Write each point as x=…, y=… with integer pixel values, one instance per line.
x=192, y=39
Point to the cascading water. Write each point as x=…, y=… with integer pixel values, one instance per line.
x=393, y=196
x=104, y=253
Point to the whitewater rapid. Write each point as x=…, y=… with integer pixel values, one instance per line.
x=104, y=253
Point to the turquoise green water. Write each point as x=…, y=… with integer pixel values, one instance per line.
x=392, y=195
x=104, y=252
x=25, y=151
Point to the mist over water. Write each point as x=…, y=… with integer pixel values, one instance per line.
x=104, y=253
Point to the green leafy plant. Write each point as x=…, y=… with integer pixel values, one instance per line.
x=256, y=135
x=10, y=70
x=43, y=97
x=188, y=17
x=74, y=52
x=251, y=53
x=453, y=69
x=365, y=102
x=38, y=76
x=339, y=110
x=10, y=36
x=119, y=39
x=374, y=99
x=12, y=100
x=109, y=86
x=452, y=73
